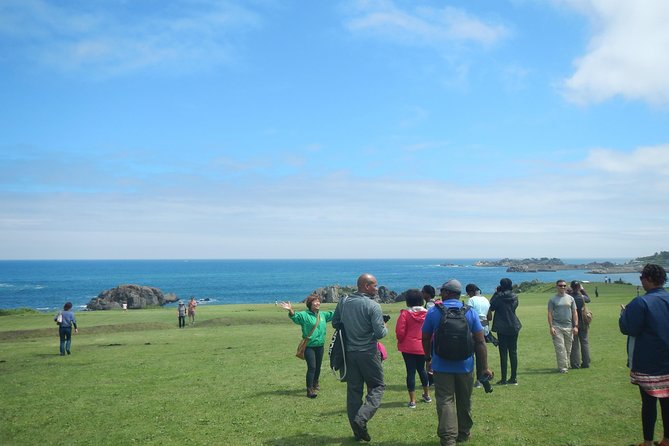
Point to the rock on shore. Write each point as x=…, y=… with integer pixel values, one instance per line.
x=136, y=296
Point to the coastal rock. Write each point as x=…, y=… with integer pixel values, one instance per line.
x=136, y=296
x=333, y=293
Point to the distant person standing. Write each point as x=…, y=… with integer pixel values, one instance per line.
x=192, y=305
x=361, y=317
x=313, y=323
x=580, y=348
x=645, y=320
x=409, y=342
x=454, y=378
x=181, y=313
x=428, y=293
x=563, y=324
x=507, y=326
x=67, y=322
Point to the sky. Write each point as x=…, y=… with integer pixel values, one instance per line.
x=209, y=129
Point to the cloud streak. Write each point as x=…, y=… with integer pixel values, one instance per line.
x=108, y=40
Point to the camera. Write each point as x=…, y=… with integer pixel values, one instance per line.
x=485, y=382
x=386, y=317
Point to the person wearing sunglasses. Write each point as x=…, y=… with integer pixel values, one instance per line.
x=563, y=324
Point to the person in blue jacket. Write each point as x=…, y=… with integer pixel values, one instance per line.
x=645, y=320
x=65, y=328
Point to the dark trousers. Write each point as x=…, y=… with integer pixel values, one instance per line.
x=413, y=364
x=65, y=338
x=314, y=358
x=649, y=415
x=363, y=369
x=182, y=321
x=508, y=345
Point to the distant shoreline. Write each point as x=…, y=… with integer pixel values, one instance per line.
x=544, y=264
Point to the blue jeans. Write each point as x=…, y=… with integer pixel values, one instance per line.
x=413, y=364
x=65, y=339
x=314, y=358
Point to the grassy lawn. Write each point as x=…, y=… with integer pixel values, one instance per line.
x=135, y=378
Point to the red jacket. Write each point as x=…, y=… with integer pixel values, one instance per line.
x=409, y=330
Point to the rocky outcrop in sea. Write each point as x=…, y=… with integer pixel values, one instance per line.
x=333, y=293
x=136, y=296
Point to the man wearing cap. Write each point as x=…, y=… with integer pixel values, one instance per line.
x=361, y=317
x=454, y=380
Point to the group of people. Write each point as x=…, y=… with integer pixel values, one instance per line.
x=645, y=320
x=183, y=310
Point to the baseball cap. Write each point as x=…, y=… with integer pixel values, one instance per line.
x=452, y=285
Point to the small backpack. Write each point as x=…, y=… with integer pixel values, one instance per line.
x=453, y=338
x=586, y=315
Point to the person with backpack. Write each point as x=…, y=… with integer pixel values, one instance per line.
x=451, y=334
x=507, y=326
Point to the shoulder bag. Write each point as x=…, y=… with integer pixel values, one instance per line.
x=302, y=346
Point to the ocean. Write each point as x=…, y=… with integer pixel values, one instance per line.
x=46, y=284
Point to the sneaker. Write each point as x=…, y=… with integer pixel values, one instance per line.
x=311, y=394
x=563, y=370
x=512, y=382
x=427, y=399
x=478, y=384
x=69, y=352
x=362, y=432
x=411, y=405
x=501, y=382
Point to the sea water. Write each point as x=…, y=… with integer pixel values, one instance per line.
x=47, y=284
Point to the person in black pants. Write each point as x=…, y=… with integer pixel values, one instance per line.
x=506, y=324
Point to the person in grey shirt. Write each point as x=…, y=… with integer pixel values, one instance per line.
x=563, y=324
x=362, y=320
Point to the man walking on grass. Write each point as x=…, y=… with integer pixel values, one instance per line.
x=361, y=317
x=563, y=324
x=454, y=378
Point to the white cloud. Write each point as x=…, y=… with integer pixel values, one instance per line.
x=652, y=161
x=423, y=25
x=627, y=54
x=109, y=39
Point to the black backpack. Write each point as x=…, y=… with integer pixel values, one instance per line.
x=453, y=338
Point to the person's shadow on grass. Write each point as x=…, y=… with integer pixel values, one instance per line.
x=308, y=440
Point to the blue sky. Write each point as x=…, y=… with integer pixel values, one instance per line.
x=340, y=129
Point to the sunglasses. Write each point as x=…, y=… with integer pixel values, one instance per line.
x=562, y=286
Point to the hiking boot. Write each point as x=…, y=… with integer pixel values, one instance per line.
x=317, y=386
x=311, y=393
x=362, y=433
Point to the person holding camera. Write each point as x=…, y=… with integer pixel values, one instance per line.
x=410, y=344
x=362, y=319
x=580, y=348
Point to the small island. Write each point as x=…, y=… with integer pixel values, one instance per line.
x=545, y=264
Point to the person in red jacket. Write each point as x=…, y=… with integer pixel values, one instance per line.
x=409, y=341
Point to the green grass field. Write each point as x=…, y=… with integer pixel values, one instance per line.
x=135, y=378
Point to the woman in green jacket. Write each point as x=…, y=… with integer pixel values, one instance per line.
x=313, y=354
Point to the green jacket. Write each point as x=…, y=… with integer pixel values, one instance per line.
x=307, y=320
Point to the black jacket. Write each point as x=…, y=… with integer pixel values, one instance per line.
x=504, y=305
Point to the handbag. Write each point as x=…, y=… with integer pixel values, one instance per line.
x=302, y=346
